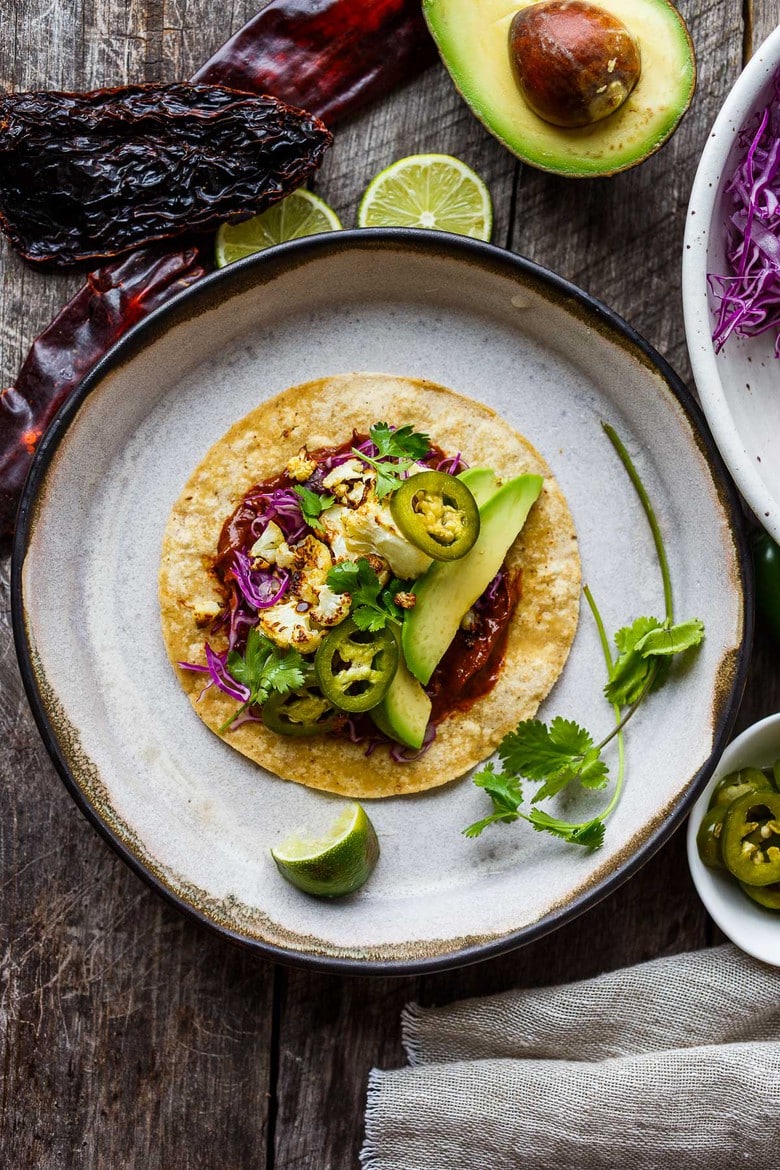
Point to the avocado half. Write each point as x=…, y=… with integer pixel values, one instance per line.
x=473, y=39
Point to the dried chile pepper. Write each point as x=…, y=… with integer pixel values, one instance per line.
x=91, y=175
x=345, y=54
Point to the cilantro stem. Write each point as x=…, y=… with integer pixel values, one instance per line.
x=231, y=719
x=619, y=723
x=644, y=500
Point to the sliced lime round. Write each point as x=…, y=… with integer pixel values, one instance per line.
x=428, y=191
x=336, y=864
x=300, y=214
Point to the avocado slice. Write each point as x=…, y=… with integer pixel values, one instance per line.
x=449, y=588
x=405, y=710
x=473, y=40
x=482, y=482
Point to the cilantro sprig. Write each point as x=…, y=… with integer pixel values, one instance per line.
x=397, y=451
x=557, y=755
x=372, y=603
x=264, y=668
x=312, y=505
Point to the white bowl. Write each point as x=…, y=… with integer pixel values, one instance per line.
x=739, y=386
x=754, y=929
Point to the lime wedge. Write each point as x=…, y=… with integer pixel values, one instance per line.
x=300, y=214
x=336, y=864
x=428, y=191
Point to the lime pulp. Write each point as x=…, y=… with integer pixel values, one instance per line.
x=433, y=191
x=300, y=214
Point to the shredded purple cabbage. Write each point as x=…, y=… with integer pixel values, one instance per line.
x=452, y=465
x=282, y=506
x=489, y=596
x=749, y=297
x=259, y=588
x=220, y=675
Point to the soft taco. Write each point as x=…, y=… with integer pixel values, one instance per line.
x=319, y=575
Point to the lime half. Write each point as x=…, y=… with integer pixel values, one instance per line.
x=336, y=864
x=300, y=214
x=429, y=191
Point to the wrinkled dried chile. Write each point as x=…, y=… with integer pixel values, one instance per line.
x=328, y=56
x=86, y=176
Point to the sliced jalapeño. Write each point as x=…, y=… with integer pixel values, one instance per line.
x=437, y=513
x=355, y=667
x=302, y=712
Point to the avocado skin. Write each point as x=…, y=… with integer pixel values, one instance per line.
x=472, y=39
x=449, y=588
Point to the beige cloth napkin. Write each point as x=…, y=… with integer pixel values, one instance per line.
x=670, y=1065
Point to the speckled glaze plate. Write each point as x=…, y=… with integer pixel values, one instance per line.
x=193, y=817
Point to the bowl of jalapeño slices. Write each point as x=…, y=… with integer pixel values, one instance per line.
x=734, y=841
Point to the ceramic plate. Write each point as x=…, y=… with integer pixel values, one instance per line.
x=195, y=818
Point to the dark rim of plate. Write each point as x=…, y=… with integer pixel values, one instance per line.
x=266, y=265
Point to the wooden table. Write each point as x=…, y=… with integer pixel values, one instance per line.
x=131, y=1038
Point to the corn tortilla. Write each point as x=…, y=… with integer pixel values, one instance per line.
x=324, y=413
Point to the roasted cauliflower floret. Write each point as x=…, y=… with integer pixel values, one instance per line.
x=285, y=626
x=371, y=529
x=331, y=608
x=312, y=561
x=300, y=466
x=332, y=521
x=350, y=482
x=271, y=548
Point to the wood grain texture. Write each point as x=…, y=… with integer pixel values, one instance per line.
x=130, y=1038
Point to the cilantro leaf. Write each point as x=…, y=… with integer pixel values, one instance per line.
x=538, y=752
x=397, y=451
x=630, y=672
x=671, y=639
x=345, y=577
x=401, y=443
x=264, y=668
x=372, y=605
x=640, y=646
x=312, y=505
x=368, y=618
x=590, y=834
x=505, y=793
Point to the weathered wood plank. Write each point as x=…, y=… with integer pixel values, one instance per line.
x=130, y=1037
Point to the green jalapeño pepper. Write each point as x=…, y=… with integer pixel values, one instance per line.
x=768, y=896
x=302, y=712
x=737, y=784
x=355, y=667
x=708, y=837
x=750, y=840
x=437, y=513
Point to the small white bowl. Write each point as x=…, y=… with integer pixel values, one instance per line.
x=738, y=386
x=753, y=929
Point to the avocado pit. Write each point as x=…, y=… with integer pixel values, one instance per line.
x=574, y=62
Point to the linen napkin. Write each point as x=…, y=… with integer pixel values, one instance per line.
x=671, y=1064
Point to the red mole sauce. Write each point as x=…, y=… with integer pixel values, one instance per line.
x=470, y=668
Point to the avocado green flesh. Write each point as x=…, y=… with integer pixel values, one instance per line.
x=482, y=482
x=473, y=40
x=405, y=710
x=448, y=589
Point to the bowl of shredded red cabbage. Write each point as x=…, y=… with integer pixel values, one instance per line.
x=731, y=282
